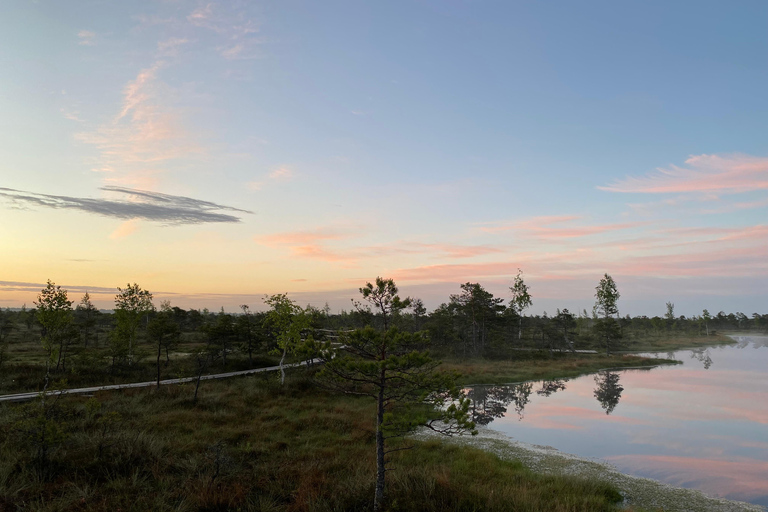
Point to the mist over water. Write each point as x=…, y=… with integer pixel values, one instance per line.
x=702, y=424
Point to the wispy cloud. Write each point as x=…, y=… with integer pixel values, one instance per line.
x=72, y=115
x=282, y=173
x=86, y=38
x=725, y=174
x=301, y=237
x=235, y=28
x=556, y=227
x=138, y=204
x=170, y=47
x=147, y=131
x=319, y=244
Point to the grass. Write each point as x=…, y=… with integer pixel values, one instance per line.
x=542, y=366
x=250, y=444
x=671, y=343
x=25, y=369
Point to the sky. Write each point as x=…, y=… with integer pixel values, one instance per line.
x=215, y=152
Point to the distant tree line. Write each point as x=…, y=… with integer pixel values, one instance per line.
x=472, y=323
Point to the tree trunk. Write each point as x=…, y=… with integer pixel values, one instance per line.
x=282, y=370
x=58, y=360
x=159, y=352
x=381, y=469
x=197, y=385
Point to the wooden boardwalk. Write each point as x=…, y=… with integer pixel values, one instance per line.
x=23, y=397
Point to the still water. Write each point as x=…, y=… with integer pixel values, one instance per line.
x=702, y=424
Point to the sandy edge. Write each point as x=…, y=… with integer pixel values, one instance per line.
x=638, y=491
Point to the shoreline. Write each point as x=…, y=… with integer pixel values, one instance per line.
x=637, y=491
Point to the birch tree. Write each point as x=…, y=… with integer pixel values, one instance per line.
x=521, y=300
x=606, y=305
x=54, y=312
x=290, y=326
x=706, y=317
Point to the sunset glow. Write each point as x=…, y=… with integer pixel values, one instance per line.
x=215, y=152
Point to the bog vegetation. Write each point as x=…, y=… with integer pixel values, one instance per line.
x=331, y=436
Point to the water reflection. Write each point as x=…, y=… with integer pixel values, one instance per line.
x=491, y=402
x=551, y=386
x=703, y=356
x=608, y=390
x=694, y=425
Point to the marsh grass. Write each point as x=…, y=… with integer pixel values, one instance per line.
x=542, y=366
x=93, y=367
x=671, y=343
x=250, y=444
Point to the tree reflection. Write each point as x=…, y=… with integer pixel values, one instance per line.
x=703, y=356
x=608, y=390
x=551, y=386
x=491, y=402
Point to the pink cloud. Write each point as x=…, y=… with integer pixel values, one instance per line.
x=126, y=228
x=235, y=28
x=316, y=251
x=453, y=251
x=147, y=131
x=300, y=238
x=170, y=47
x=704, y=173
x=726, y=252
x=314, y=244
x=453, y=272
x=549, y=227
x=531, y=223
x=281, y=173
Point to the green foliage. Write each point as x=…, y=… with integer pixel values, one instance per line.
x=607, y=297
x=7, y=324
x=221, y=333
x=131, y=304
x=521, y=298
x=290, y=326
x=54, y=312
x=475, y=311
x=608, y=333
x=248, y=330
x=520, y=301
x=391, y=366
x=85, y=318
x=165, y=333
x=383, y=296
x=607, y=328
x=40, y=427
